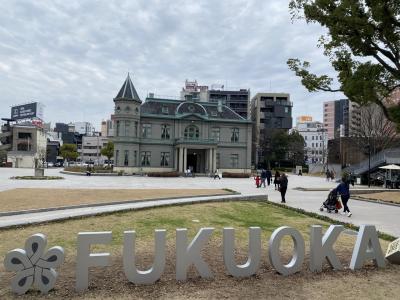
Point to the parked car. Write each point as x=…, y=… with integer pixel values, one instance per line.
x=50, y=164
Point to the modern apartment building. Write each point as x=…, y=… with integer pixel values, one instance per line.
x=237, y=100
x=269, y=112
x=315, y=139
x=107, y=128
x=91, y=149
x=341, y=118
x=28, y=145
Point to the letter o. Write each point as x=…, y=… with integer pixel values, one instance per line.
x=298, y=252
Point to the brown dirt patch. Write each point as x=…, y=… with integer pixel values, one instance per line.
x=35, y=198
x=392, y=197
x=111, y=283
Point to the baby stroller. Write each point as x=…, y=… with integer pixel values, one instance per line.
x=332, y=203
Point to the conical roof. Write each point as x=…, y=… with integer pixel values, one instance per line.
x=127, y=91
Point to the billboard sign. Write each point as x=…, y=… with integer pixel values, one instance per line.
x=27, y=111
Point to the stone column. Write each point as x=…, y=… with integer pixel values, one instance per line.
x=181, y=160
x=184, y=159
x=176, y=159
x=214, y=159
x=210, y=165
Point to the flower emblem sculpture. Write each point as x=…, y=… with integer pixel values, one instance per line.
x=33, y=265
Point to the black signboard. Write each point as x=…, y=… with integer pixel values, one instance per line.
x=25, y=111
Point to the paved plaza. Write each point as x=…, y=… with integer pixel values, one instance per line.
x=384, y=217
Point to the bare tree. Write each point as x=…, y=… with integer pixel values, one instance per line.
x=376, y=132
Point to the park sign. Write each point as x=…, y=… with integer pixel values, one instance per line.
x=36, y=266
x=27, y=111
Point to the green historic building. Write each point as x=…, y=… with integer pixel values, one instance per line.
x=166, y=135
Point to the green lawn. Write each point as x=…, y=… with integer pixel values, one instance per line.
x=110, y=282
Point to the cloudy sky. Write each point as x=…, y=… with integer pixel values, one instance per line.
x=73, y=56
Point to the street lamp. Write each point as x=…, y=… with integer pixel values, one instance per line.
x=368, y=148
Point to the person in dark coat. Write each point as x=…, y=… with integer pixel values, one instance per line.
x=328, y=174
x=283, y=187
x=343, y=189
x=269, y=176
x=276, y=180
x=263, y=177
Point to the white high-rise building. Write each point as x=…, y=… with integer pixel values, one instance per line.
x=84, y=128
x=315, y=138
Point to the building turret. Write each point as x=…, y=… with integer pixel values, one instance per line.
x=126, y=121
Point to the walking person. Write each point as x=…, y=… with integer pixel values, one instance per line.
x=263, y=177
x=343, y=190
x=276, y=180
x=269, y=176
x=328, y=174
x=283, y=187
x=216, y=174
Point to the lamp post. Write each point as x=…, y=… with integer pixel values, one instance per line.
x=369, y=162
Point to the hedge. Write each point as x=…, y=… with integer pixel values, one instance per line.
x=163, y=174
x=235, y=175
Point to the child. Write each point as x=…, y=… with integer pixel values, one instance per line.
x=257, y=179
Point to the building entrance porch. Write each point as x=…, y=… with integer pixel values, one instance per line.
x=198, y=160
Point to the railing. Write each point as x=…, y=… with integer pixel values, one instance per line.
x=196, y=141
x=391, y=156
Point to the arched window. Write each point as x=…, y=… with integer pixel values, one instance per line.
x=192, y=133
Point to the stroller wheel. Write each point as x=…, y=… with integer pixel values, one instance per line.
x=321, y=209
x=336, y=211
x=329, y=211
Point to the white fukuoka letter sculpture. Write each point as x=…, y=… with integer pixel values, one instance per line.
x=33, y=265
x=393, y=252
x=298, y=252
x=322, y=247
x=154, y=273
x=187, y=255
x=253, y=262
x=85, y=259
x=367, y=247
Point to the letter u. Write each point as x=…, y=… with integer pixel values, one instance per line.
x=154, y=273
x=254, y=257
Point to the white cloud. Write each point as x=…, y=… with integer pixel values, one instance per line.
x=74, y=55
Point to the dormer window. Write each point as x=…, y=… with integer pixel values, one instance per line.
x=137, y=110
x=127, y=108
x=118, y=108
x=164, y=109
x=191, y=133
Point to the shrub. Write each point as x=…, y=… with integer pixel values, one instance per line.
x=96, y=169
x=163, y=174
x=235, y=175
x=37, y=177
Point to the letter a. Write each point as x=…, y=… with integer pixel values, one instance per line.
x=322, y=247
x=253, y=262
x=154, y=273
x=187, y=255
x=367, y=247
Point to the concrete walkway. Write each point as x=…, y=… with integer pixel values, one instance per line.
x=63, y=214
x=386, y=218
